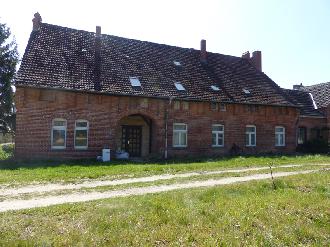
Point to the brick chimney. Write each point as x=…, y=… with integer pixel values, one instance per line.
x=37, y=20
x=203, y=52
x=256, y=60
x=98, y=31
x=97, y=60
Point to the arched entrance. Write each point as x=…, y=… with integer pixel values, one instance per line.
x=134, y=135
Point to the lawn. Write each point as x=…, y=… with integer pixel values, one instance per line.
x=20, y=172
x=296, y=213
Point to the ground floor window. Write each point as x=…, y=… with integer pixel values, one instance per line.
x=58, y=135
x=180, y=135
x=217, y=135
x=250, y=135
x=301, y=135
x=81, y=134
x=279, y=136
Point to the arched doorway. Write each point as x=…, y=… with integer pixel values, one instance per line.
x=134, y=135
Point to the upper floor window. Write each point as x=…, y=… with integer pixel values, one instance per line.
x=217, y=135
x=180, y=135
x=58, y=135
x=81, y=134
x=250, y=135
x=279, y=136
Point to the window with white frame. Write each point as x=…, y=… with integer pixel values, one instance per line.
x=279, y=136
x=58, y=135
x=81, y=134
x=217, y=135
x=180, y=135
x=250, y=136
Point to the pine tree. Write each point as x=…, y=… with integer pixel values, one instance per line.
x=8, y=62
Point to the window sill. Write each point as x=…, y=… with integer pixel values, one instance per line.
x=58, y=149
x=214, y=146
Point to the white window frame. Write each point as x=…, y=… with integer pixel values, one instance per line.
x=278, y=134
x=217, y=133
x=80, y=128
x=250, y=136
x=58, y=128
x=180, y=132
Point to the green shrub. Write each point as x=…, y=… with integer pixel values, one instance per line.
x=6, y=151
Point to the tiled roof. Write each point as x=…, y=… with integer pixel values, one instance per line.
x=304, y=100
x=59, y=57
x=321, y=94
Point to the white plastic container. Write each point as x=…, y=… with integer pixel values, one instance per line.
x=105, y=154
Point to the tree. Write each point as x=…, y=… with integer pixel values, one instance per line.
x=8, y=61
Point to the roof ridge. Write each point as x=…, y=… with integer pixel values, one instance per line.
x=138, y=40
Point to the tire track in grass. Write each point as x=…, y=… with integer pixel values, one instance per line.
x=82, y=197
x=97, y=183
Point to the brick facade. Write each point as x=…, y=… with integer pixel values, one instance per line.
x=36, y=109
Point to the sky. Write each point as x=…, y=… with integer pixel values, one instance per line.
x=293, y=35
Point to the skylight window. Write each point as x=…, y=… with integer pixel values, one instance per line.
x=179, y=86
x=215, y=88
x=135, y=82
x=177, y=63
x=246, y=91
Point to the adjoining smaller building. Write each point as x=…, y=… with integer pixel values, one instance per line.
x=314, y=119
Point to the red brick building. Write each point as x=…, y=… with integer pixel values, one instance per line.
x=79, y=92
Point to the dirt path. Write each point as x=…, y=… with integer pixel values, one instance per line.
x=82, y=197
x=97, y=183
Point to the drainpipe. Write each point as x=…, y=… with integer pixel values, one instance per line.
x=166, y=125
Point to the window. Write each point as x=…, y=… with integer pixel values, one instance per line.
x=301, y=135
x=179, y=135
x=215, y=88
x=135, y=82
x=179, y=86
x=279, y=136
x=246, y=91
x=217, y=135
x=177, y=63
x=250, y=136
x=81, y=134
x=214, y=106
x=222, y=107
x=58, y=136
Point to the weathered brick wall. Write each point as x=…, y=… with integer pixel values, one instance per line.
x=37, y=108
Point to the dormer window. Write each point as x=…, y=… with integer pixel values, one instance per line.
x=177, y=63
x=135, y=82
x=215, y=88
x=179, y=86
x=246, y=91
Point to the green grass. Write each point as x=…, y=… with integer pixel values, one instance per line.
x=18, y=172
x=296, y=213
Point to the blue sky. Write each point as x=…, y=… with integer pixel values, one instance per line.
x=293, y=35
